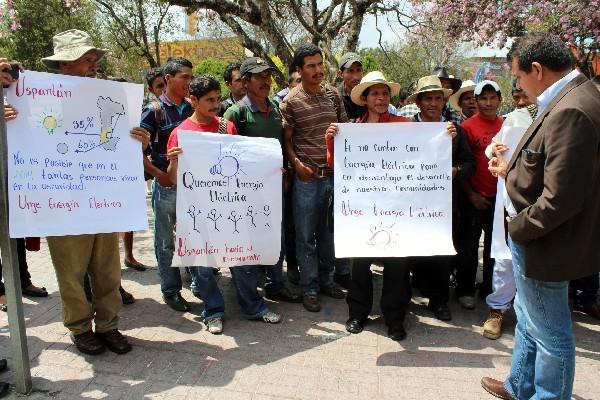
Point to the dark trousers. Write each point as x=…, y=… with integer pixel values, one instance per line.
x=395, y=294
x=431, y=275
x=584, y=290
x=472, y=223
x=23, y=268
x=290, y=232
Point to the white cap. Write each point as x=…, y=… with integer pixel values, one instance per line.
x=483, y=84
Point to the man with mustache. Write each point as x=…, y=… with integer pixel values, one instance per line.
x=479, y=195
x=257, y=116
x=463, y=101
x=307, y=111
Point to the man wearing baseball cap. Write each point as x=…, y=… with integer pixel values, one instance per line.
x=351, y=72
x=258, y=116
x=479, y=195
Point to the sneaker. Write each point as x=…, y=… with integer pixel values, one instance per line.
x=311, y=302
x=215, y=325
x=492, y=328
x=333, y=290
x=467, y=302
x=271, y=318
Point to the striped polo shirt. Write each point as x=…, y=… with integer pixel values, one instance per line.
x=309, y=115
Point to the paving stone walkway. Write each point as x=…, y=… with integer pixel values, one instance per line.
x=306, y=356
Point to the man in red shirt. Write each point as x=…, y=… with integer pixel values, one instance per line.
x=476, y=206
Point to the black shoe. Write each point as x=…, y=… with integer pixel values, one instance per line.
x=88, y=343
x=126, y=297
x=333, y=290
x=176, y=302
x=115, y=341
x=311, y=302
x=441, y=311
x=3, y=365
x=397, y=333
x=4, y=389
x=285, y=295
x=355, y=325
x=342, y=280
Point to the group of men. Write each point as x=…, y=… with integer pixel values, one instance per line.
x=551, y=201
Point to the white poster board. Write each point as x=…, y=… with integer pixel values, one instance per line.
x=73, y=166
x=499, y=249
x=229, y=200
x=393, y=190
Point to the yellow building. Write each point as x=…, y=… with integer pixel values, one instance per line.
x=227, y=49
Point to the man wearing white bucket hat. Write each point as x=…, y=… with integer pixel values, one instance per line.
x=96, y=255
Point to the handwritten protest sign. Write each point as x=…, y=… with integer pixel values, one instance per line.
x=73, y=166
x=228, y=200
x=393, y=190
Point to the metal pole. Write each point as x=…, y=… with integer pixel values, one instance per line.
x=12, y=278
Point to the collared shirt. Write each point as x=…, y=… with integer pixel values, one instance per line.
x=251, y=121
x=279, y=96
x=417, y=117
x=309, y=115
x=353, y=111
x=171, y=116
x=550, y=93
x=408, y=111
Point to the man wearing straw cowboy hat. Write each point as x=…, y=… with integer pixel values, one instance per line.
x=463, y=100
x=432, y=274
x=96, y=255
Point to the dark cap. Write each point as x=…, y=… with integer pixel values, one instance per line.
x=442, y=73
x=348, y=59
x=254, y=65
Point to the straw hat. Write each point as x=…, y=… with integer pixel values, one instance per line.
x=71, y=45
x=370, y=79
x=467, y=86
x=429, y=83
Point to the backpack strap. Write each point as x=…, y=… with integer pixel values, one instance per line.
x=222, y=125
x=334, y=97
x=159, y=116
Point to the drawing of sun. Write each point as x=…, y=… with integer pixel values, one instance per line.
x=383, y=236
x=228, y=164
x=50, y=120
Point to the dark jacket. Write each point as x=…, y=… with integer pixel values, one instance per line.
x=554, y=183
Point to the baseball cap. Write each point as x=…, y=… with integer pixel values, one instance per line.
x=348, y=59
x=479, y=88
x=254, y=65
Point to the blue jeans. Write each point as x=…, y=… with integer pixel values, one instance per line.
x=274, y=273
x=314, y=241
x=543, y=360
x=245, y=281
x=164, y=206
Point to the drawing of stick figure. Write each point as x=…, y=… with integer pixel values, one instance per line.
x=267, y=212
x=234, y=217
x=193, y=214
x=214, y=218
x=251, y=214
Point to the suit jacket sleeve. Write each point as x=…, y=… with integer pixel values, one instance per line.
x=570, y=149
x=462, y=157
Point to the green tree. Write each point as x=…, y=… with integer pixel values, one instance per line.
x=28, y=26
x=214, y=67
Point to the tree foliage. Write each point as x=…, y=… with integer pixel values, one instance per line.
x=492, y=21
x=28, y=27
x=275, y=27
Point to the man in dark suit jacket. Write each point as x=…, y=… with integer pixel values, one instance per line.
x=553, y=182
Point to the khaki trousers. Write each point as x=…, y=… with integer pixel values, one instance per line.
x=98, y=256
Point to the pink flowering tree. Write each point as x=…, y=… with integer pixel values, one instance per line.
x=492, y=21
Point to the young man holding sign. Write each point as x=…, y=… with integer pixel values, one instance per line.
x=96, y=255
x=205, y=92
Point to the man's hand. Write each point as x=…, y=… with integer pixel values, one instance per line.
x=499, y=149
x=173, y=153
x=305, y=173
x=451, y=129
x=478, y=201
x=164, y=180
x=10, y=112
x=498, y=167
x=331, y=131
x=142, y=135
x=454, y=172
x=5, y=78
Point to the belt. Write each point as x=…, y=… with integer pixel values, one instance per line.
x=322, y=171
